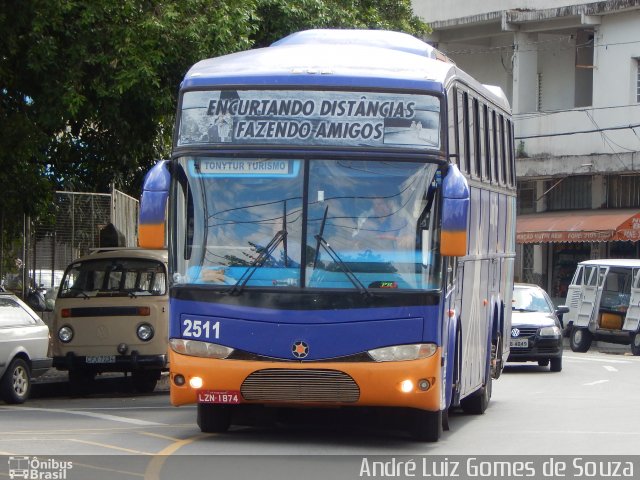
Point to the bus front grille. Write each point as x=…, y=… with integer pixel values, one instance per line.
x=300, y=385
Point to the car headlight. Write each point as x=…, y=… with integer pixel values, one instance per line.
x=145, y=332
x=552, y=331
x=65, y=334
x=400, y=353
x=196, y=348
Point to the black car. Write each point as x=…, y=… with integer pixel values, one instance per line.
x=536, y=331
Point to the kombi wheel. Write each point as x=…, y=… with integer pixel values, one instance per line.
x=635, y=343
x=426, y=426
x=580, y=339
x=145, y=381
x=16, y=382
x=214, y=418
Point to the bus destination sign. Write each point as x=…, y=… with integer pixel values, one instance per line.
x=272, y=117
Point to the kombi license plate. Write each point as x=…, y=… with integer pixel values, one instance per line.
x=519, y=342
x=218, y=396
x=100, y=359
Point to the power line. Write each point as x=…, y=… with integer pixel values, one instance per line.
x=579, y=132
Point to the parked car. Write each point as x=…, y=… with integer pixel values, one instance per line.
x=24, y=340
x=536, y=329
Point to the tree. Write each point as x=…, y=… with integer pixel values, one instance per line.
x=88, y=89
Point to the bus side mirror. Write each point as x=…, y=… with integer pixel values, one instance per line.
x=153, y=206
x=455, y=214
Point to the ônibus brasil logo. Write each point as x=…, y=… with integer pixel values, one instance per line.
x=32, y=468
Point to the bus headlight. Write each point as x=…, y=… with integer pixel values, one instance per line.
x=65, y=334
x=196, y=348
x=400, y=353
x=144, y=332
x=550, y=331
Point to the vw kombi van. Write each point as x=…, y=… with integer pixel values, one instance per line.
x=604, y=303
x=111, y=315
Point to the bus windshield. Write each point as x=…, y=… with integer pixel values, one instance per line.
x=248, y=223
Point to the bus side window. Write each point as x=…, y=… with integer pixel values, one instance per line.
x=463, y=132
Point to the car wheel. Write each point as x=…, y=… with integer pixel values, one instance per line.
x=556, y=364
x=16, y=382
x=635, y=343
x=426, y=426
x=580, y=339
x=214, y=418
x=543, y=363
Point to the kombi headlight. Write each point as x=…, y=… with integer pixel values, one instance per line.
x=145, y=332
x=196, y=348
x=65, y=334
x=552, y=331
x=400, y=353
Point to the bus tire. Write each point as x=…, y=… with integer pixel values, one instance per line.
x=635, y=343
x=426, y=426
x=16, y=382
x=580, y=339
x=477, y=403
x=556, y=364
x=214, y=418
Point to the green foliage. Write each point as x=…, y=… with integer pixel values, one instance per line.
x=88, y=89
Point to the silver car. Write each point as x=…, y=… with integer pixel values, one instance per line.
x=24, y=341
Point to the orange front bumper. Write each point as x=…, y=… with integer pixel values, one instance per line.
x=379, y=383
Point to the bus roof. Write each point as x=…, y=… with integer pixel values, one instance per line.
x=337, y=58
x=617, y=262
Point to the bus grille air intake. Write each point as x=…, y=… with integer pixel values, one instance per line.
x=300, y=386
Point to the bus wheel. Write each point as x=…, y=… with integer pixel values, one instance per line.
x=580, y=339
x=16, y=382
x=478, y=403
x=214, y=418
x=145, y=381
x=635, y=343
x=426, y=426
x=556, y=364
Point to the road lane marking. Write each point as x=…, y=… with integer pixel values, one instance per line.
x=158, y=435
x=85, y=430
x=593, y=359
x=106, y=445
x=154, y=468
x=597, y=382
x=101, y=416
x=610, y=368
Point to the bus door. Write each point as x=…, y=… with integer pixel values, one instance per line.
x=593, y=281
x=632, y=320
x=573, y=296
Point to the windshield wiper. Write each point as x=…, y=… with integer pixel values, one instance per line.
x=265, y=253
x=321, y=242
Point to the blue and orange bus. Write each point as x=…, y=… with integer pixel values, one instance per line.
x=341, y=224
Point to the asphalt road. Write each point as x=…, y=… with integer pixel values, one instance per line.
x=589, y=408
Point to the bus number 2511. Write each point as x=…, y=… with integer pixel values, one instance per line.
x=200, y=328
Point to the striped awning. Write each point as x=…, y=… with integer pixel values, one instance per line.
x=579, y=226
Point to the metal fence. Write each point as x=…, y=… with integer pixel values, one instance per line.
x=70, y=229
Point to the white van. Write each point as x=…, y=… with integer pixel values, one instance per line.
x=111, y=315
x=604, y=304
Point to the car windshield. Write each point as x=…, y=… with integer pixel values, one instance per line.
x=350, y=225
x=530, y=299
x=114, y=277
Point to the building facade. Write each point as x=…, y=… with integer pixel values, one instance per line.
x=571, y=71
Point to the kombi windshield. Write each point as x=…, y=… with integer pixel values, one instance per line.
x=114, y=277
x=335, y=224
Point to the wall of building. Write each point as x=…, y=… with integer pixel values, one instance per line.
x=437, y=10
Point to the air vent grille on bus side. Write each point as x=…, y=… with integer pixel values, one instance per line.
x=300, y=385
